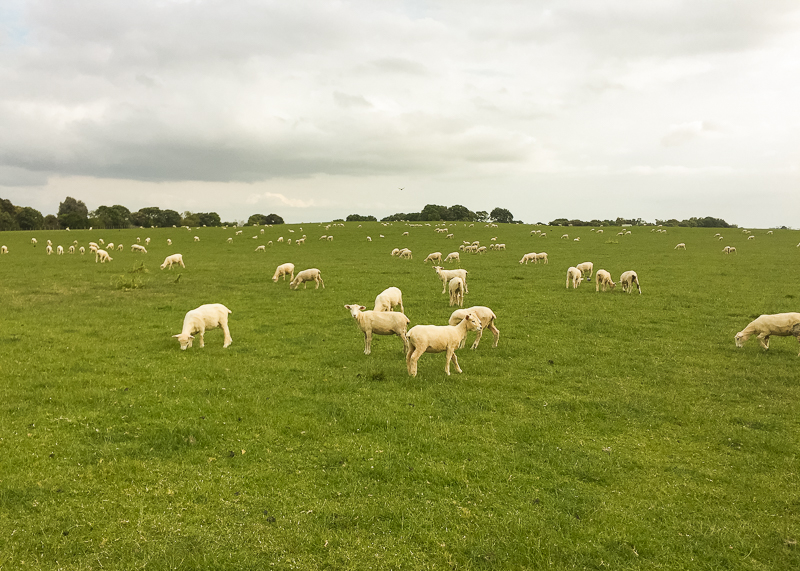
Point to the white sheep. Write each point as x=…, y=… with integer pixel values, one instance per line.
x=529, y=257
x=101, y=256
x=453, y=257
x=369, y=239
x=49, y=243
x=71, y=249
x=779, y=324
x=388, y=299
x=169, y=242
x=284, y=270
x=456, y=288
x=201, y=319
x=110, y=246
x=60, y=250
x=405, y=254
x=395, y=252
x=586, y=267
x=173, y=259
x=309, y=275
x=603, y=278
x=230, y=240
x=93, y=246
x=729, y=250
x=197, y=238
x=138, y=248
x=120, y=248
x=4, y=249
x=751, y=237
x=261, y=248
x=379, y=323
x=438, y=338
x=330, y=238
x=680, y=246
x=449, y=237
x=34, y=241
x=627, y=279
x=447, y=275
x=487, y=318
x=565, y=236
x=82, y=250
x=49, y=249
x=541, y=256
x=574, y=275
x=433, y=257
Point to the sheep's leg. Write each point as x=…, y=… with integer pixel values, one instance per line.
x=496, y=332
x=764, y=339
x=412, y=357
x=477, y=340
x=227, y=342
x=367, y=341
x=403, y=311
x=402, y=335
x=199, y=336
x=322, y=282
x=452, y=354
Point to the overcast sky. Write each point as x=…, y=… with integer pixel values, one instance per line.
x=318, y=109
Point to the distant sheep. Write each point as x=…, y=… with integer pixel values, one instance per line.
x=199, y=320
x=3, y=249
x=779, y=324
x=680, y=246
x=453, y=257
x=230, y=240
x=433, y=257
x=438, y=339
x=173, y=259
x=101, y=256
x=82, y=250
x=388, y=299
x=60, y=250
x=138, y=248
x=197, y=238
x=487, y=318
x=261, y=248
x=49, y=249
x=603, y=278
x=751, y=237
x=34, y=241
x=456, y=288
x=284, y=270
x=405, y=254
x=379, y=323
x=729, y=250
x=627, y=279
x=312, y=274
x=169, y=242
x=575, y=276
x=541, y=256
x=447, y=275
x=586, y=267
x=120, y=248
x=530, y=257
x=71, y=249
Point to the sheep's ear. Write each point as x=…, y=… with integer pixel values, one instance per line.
x=176, y=336
x=362, y=308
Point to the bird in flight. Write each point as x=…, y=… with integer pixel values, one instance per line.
x=402, y=188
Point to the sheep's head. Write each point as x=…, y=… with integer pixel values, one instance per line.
x=185, y=339
x=740, y=339
x=355, y=309
x=294, y=283
x=473, y=322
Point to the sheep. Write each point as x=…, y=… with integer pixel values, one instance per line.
x=541, y=256
x=138, y=248
x=330, y=238
x=769, y=232
x=230, y=240
x=574, y=275
x=439, y=338
x=284, y=270
x=71, y=249
x=49, y=243
x=779, y=324
x=120, y=248
x=487, y=318
x=729, y=249
x=449, y=237
x=93, y=246
x=323, y=237
x=197, y=238
x=311, y=274
x=138, y=240
x=239, y=232
x=299, y=241
x=100, y=240
x=565, y=236
x=680, y=246
x=4, y=249
x=627, y=279
x=110, y=246
x=169, y=242
x=369, y=239
x=751, y=237
x=173, y=259
x=447, y=275
x=379, y=323
x=603, y=278
x=405, y=233
x=101, y=256
x=34, y=241
x=599, y=232
x=49, y=249
x=60, y=250
x=453, y=257
x=500, y=247
x=586, y=267
x=197, y=321
x=82, y=250
x=395, y=252
x=578, y=239
x=530, y=257
x=405, y=254
x=456, y=287
x=434, y=257
x=388, y=299
x=261, y=248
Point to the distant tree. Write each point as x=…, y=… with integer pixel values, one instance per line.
x=461, y=213
x=116, y=216
x=482, y=215
x=30, y=219
x=51, y=222
x=169, y=218
x=7, y=221
x=273, y=219
x=257, y=220
x=501, y=215
x=434, y=212
x=559, y=222
x=73, y=214
x=7, y=206
x=209, y=219
x=360, y=218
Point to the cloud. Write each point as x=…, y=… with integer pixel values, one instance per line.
x=273, y=198
x=686, y=132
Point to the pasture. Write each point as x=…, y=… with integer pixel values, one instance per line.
x=606, y=430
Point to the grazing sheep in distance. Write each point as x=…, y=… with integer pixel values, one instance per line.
x=173, y=259
x=574, y=275
x=565, y=236
x=3, y=249
x=379, y=323
x=284, y=270
x=71, y=249
x=120, y=248
x=438, y=338
x=110, y=246
x=82, y=250
x=487, y=318
x=169, y=242
x=779, y=324
x=586, y=267
x=603, y=278
x=388, y=299
x=680, y=246
x=541, y=256
x=729, y=250
x=312, y=274
x=138, y=248
x=447, y=275
x=395, y=252
x=530, y=257
x=453, y=257
x=49, y=249
x=261, y=248
x=201, y=319
x=60, y=251
x=456, y=292
x=627, y=279
x=405, y=254
x=34, y=241
x=751, y=237
x=101, y=256
x=369, y=239
x=230, y=240
x=434, y=257
x=197, y=238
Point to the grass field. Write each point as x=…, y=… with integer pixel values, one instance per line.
x=606, y=431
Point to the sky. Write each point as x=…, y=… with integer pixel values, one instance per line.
x=314, y=110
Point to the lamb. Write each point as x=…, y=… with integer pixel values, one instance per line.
x=680, y=246
x=456, y=287
x=565, y=236
x=169, y=242
x=627, y=279
x=603, y=278
x=369, y=239
x=453, y=257
x=405, y=254
x=261, y=248
x=395, y=252
x=173, y=259
x=3, y=249
x=447, y=275
x=311, y=274
x=541, y=256
x=575, y=275
x=120, y=248
x=110, y=246
x=449, y=237
x=388, y=299
x=586, y=267
x=530, y=257
x=379, y=323
x=729, y=249
x=101, y=256
x=779, y=324
x=434, y=257
x=60, y=250
x=438, y=338
x=34, y=241
x=49, y=249
x=138, y=248
x=230, y=240
x=208, y=316
x=71, y=249
x=197, y=239
x=82, y=250
x=751, y=237
x=49, y=243
x=284, y=270
x=487, y=318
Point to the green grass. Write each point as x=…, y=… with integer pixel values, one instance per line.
x=605, y=431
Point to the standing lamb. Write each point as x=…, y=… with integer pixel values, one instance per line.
x=627, y=280
x=779, y=324
x=284, y=270
x=574, y=275
x=438, y=338
x=541, y=256
x=530, y=257
x=435, y=257
x=447, y=275
x=3, y=249
x=101, y=256
x=309, y=275
x=388, y=299
x=453, y=257
x=603, y=278
x=379, y=323
x=34, y=241
x=456, y=287
x=173, y=259
x=487, y=318
x=209, y=316
x=586, y=267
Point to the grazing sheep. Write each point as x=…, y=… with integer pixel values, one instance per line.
x=261, y=248
x=603, y=278
x=49, y=249
x=330, y=238
x=49, y=243
x=201, y=319
x=448, y=237
x=680, y=246
x=169, y=242
x=751, y=237
x=541, y=256
x=82, y=250
x=565, y=236
x=453, y=257
x=729, y=250
x=769, y=232
x=60, y=250
x=434, y=257
x=586, y=267
x=34, y=241
x=599, y=232
x=456, y=288
x=405, y=254
x=230, y=240
x=779, y=324
x=447, y=275
x=101, y=256
x=71, y=249
x=439, y=338
x=395, y=252
x=93, y=246
x=3, y=249
x=627, y=279
x=530, y=257
x=388, y=299
x=311, y=274
x=284, y=270
x=138, y=248
x=110, y=246
x=120, y=248
x=574, y=275
x=487, y=318
x=379, y=323
x=173, y=259
x=197, y=239
x=369, y=239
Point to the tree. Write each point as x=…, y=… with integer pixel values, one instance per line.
x=482, y=215
x=116, y=216
x=51, y=222
x=502, y=215
x=73, y=214
x=7, y=206
x=257, y=220
x=434, y=212
x=209, y=219
x=30, y=219
x=360, y=218
x=7, y=222
x=462, y=214
x=273, y=219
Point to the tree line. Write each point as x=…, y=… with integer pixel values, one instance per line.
x=73, y=213
x=707, y=222
x=437, y=213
